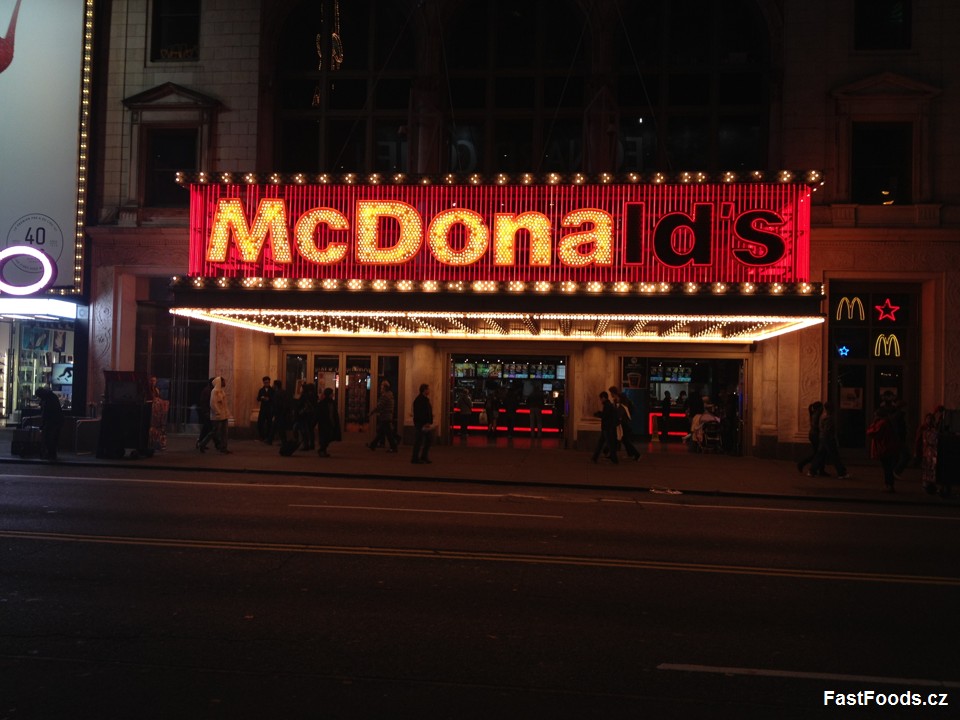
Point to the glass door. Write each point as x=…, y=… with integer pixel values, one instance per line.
x=357, y=385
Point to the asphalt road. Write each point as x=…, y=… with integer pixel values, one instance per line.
x=126, y=596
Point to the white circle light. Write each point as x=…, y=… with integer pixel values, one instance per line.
x=47, y=278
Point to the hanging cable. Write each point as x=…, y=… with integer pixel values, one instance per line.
x=643, y=85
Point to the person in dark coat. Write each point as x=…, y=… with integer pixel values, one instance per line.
x=422, y=425
x=265, y=415
x=307, y=407
x=609, y=422
x=328, y=422
x=625, y=415
x=384, y=413
x=665, y=406
x=203, y=411
x=814, y=410
x=829, y=449
x=884, y=444
x=281, y=408
x=51, y=421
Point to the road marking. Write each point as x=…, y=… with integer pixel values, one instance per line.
x=460, y=555
x=832, y=677
x=699, y=506
x=424, y=510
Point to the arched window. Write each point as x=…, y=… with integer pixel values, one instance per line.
x=351, y=119
x=515, y=82
x=693, y=85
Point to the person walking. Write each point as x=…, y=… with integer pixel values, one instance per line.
x=492, y=408
x=328, y=422
x=307, y=416
x=828, y=451
x=814, y=411
x=609, y=422
x=464, y=410
x=281, y=413
x=158, y=417
x=265, y=415
x=219, y=417
x=203, y=411
x=422, y=425
x=535, y=402
x=884, y=444
x=625, y=416
x=384, y=413
x=51, y=422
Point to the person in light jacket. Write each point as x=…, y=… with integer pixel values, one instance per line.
x=219, y=417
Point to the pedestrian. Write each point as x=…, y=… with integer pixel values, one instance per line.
x=828, y=451
x=535, y=402
x=884, y=444
x=625, y=416
x=814, y=410
x=265, y=414
x=511, y=403
x=422, y=426
x=929, y=439
x=328, y=423
x=51, y=422
x=609, y=422
x=492, y=408
x=219, y=417
x=665, y=407
x=465, y=410
x=203, y=411
x=307, y=416
x=384, y=413
x=281, y=413
x=158, y=417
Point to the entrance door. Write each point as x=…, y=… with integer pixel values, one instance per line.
x=357, y=385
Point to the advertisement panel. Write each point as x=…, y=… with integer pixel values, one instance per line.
x=618, y=232
x=44, y=62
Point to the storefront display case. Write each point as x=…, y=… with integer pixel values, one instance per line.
x=513, y=380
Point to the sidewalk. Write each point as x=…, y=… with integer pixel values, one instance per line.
x=521, y=463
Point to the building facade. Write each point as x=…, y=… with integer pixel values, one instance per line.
x=577, y=94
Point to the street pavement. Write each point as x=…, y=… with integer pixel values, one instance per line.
x=523, y=463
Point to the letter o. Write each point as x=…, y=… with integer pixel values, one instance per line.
x=47, y=278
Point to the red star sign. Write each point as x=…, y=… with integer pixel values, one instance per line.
x=887, y=311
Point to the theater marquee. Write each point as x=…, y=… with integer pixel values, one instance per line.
x=556, y=259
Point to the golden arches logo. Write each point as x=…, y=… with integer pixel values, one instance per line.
x=851, y=305
x=889, y=343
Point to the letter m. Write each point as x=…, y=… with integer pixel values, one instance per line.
x=229, y=221
x=850, y=306
x=889, y=344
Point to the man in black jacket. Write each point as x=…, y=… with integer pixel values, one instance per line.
x=423, y=426
x=609, y=422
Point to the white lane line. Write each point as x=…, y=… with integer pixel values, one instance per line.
x=901, y=516
x=423, y=510
x=833, y=677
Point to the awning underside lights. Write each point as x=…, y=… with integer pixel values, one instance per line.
x=734, y=329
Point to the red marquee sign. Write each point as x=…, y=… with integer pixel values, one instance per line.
x=606, y=233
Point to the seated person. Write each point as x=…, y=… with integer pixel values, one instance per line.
x=696, y=427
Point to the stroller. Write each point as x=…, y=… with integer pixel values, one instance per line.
x=711, y=439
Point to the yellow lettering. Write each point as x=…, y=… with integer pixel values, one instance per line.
x=505, y=228
x=408, y=244
x=478, y=237
x=306, y=230
x=570, y=250
x=229, y=220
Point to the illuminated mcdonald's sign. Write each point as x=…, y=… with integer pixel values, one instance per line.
x=851, y=305
x=889, y=343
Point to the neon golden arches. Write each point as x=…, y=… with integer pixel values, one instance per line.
x=306, y=229
x=505, y=229
x=600, y=236
x=271, y=218
x=478, y=237
x=407, y=246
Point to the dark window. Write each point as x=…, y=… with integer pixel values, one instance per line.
x=698, y=73
x=350, y=119
x=881, y=163
x=175, y=30
x=167, y=151
x=882, y=24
